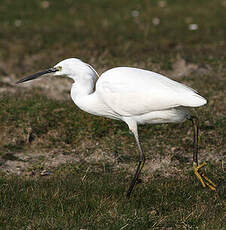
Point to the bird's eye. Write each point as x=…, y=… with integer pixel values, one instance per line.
x=59, y=68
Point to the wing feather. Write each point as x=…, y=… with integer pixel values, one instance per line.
x=131, y=91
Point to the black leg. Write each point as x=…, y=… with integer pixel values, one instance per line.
x=196, y=167
x=195, y=123
x=139, y=167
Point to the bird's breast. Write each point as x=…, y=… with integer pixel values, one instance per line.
x=94, y=105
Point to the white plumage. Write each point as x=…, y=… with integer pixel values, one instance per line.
x=134, y=92
x=133, y=95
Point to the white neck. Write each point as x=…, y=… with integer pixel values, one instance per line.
x=85, y=78
x=84, y=96
x=83, y=90
x=84, y=85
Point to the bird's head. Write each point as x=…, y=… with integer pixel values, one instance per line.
x=72, y=68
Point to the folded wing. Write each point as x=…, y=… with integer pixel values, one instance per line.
x=131, y=91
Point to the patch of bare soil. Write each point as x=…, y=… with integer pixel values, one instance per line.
x=182, y=68
x=52, y=87
x=44, y=163
x=31, y=163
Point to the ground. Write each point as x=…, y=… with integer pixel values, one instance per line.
x=64, y=169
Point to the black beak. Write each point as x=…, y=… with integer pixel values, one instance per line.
x=36, y=75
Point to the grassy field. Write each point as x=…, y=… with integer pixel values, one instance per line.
x=61, y=168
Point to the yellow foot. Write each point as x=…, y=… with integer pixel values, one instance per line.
x=203, y=179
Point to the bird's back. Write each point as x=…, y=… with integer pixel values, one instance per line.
x=132, y=91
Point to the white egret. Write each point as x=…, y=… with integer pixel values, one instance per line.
x=133, y=95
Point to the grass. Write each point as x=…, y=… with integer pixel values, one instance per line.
x=91, y=159
x=77, y=198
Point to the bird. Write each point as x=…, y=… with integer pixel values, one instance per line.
x=134, y=96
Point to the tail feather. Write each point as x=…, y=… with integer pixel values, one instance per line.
x=195, y=100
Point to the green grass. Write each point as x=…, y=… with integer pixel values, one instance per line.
x=36, y=128
x=79, y=199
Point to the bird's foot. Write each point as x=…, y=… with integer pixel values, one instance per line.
x=205, y=181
